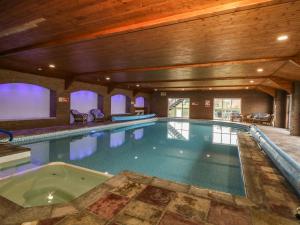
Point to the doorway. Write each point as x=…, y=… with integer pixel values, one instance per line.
x=179, y=107
x=224, y=107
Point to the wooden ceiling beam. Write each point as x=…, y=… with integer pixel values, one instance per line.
x=194, y=13
x=187, y=65
x=268, y=90
x=207, y=87
x=281, y=83
x=195, y=79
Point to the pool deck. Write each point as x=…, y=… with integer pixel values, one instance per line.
x=282, y=138
x=134, y=199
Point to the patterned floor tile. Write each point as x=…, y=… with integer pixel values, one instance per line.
x=227, y=215
x=109, y=205
x=156, y=196
x=140, y=211
x=175, y=219
x=266, y=218
x=190, y=207
x=129, y=189
x=51, y=221
x=83, y=219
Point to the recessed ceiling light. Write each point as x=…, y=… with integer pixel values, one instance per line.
x=182, y=89
x=210, y=89
x=137, y=85
x=40, y=69
x=107, y=78
x=260, y=70
x=51, y=66
x=155, y=89
x=282, y=38
x=251, y=81
x=247, y=87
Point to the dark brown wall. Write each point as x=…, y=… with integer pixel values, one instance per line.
x=252, y=101
x=62, y=110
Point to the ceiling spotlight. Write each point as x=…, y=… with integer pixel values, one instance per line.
x=107, y=78
x=182, y=89
x=282, y=38
x=51, y=66
x=210, y=89
x=40, y=69
x=155, y=89
x=137, y=85
x=247, y=87
x=260, y=70
x=251, y=81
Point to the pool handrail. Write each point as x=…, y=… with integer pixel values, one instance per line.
x=10, y=134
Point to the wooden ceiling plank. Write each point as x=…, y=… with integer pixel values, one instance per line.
x=284, y=84
x=268, y=90
x=175, y=18
x=188, y=65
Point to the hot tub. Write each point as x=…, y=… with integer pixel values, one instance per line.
x=50, y=184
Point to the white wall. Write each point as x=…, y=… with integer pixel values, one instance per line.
x=118, y=104
x=84, y=101
x=24, y=101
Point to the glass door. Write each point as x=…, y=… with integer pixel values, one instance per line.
x=179, y=107
x=224, y=107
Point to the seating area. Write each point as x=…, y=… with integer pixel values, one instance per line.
x=254, y=118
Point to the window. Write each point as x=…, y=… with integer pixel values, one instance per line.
x=224, y=107
x=179, y=107
x=224, y=135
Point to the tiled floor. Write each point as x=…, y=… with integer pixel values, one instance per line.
x=282, y=138
x=134, y=199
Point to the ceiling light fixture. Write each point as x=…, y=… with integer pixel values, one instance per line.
x=137, y=85
x=40, y=69
x=210, y=89
x=51, y=66
x=282, y=37
x=251, y=81
x=155, y=89
x=107, y=78
x=260, y=70
x=182, y=89
x=247, y=87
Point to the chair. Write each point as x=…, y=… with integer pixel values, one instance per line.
x=268, y=120
x=236, y=117
x=79, y=117
x=97, y=115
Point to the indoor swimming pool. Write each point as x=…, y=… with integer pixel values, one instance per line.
x=199, y=154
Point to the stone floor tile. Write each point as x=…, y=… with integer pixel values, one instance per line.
x=129, y=189
x=29, y=214
x=221, y=214
x=83, y=218
x=108, y=205
x=156, y=196
x=139, y=178
x=30, y=223
x=130, y=220
x=51, y=221
x=63, y=210
x=260, y=217
x=221, y=197
x=117, y=180
x=244, y=202
x=141, y=211
x=192, y=208
x=199, y=192
x=174, y=219
x=173, y=186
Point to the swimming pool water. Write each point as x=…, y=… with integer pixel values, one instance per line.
x=186, y=152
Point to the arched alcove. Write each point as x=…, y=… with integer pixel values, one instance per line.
x=84, y=101
x=23, y=101
x=119, y=104
x=141, y=105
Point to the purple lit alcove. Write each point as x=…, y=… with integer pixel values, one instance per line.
x=84, y=101
x=20, y=101
x=118, y=104
x=139, y=102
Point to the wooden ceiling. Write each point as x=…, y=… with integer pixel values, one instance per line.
x=165, y=45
